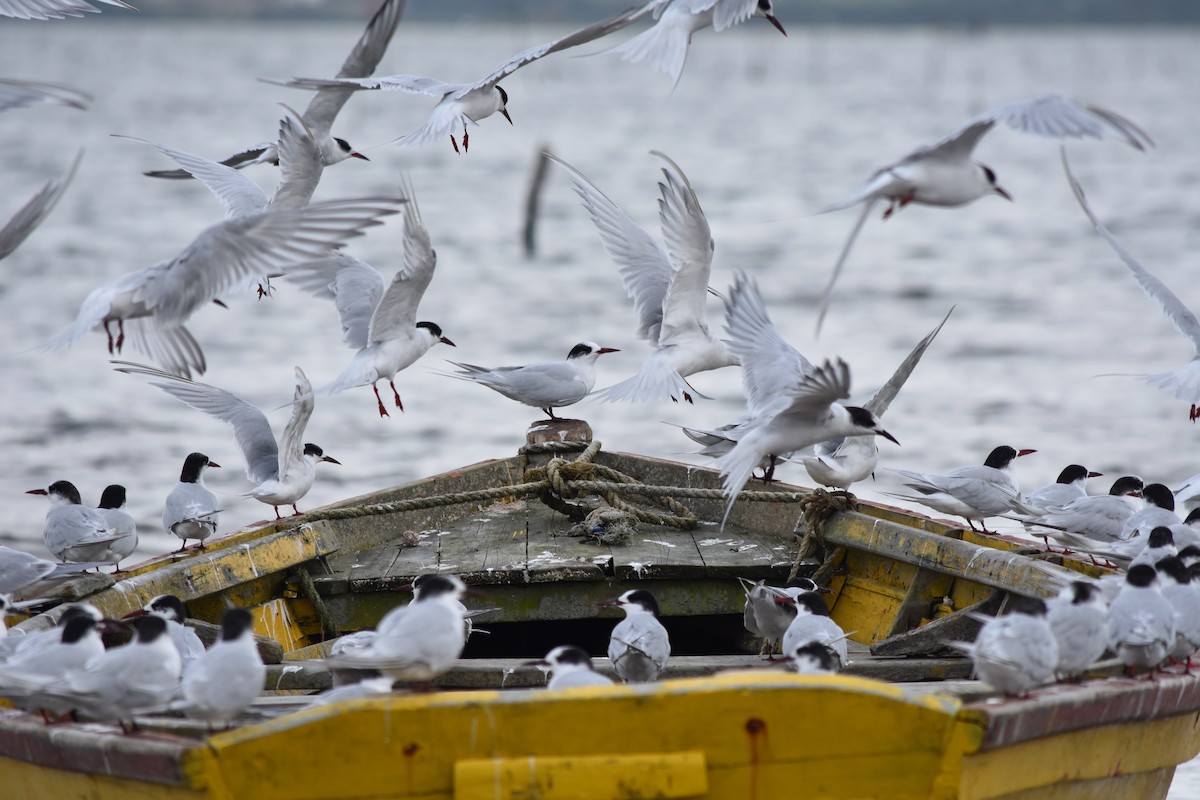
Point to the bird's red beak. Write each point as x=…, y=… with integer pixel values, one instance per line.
x=331, y=460
x=1002, y=193
x=444, y=340
x=1095, y=474
x=604, y=350
x=37, y=491
x=504, y=111
x=141, y=612
x=1024, y=452
x=356, y=154
x=771, y=18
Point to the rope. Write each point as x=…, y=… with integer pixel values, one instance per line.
x=817, y=507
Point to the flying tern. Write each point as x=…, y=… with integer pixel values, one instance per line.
x=36, y=209
x=323, y=109
x=802, y=409
x=381, y=323
x=156, y=301
x=973, y=493
x=664, y=47
x=639, y=645
x=570, y=667
x=54, y=9
x=461, y=104
x=547, y=385
x=224, y=680
x=943, y=173
x=74, y=532
x=1184, y=382
x=846, y=460
x=1015, y=652
x=190, y=510
x=1078, y=617
x=668, y=285
x=283, y=471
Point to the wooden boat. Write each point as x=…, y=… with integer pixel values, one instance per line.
x=903, y=721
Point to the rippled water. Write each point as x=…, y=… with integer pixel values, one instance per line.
x=768, y=130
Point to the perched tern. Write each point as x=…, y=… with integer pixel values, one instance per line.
x=668, y=285
x=67, y=648
x=20, y=570
x=380, y=323
x=813, y=624
x=74, y=532
x=224, y=680
x=1159, y=510
x=803, y=409
x=1070, y=485
x=1078, y=617
x=190, y=511
x=54, y=9
x=764, y=615
x=1096, y=517
x=1147, y=548
x=813, y=658
x=1182, y=593
x=973, y=493
x=570, y=667
x=421, y=643
x=846, y=460
x=172, y=610
x=156, y=301
x=36, y=209
x=324, y=107
x=1141, y=622
x=639, y=645
x=664, y=47
x=547, y=385
x=1184, y=382
x=283, y=472
x=112, y=507
x=139, y=677
x=943, y=174
x=461, y=104
x=11, y=646
x=1015, y=652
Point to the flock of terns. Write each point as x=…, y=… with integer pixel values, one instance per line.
x=792, y=405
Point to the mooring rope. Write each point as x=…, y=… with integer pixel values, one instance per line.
x=561, y=480
x=817, y=507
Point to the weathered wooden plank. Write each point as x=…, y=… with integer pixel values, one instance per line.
x=930, y=639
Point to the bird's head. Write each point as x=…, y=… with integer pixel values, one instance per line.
x=347, y=150
x=503, y=109
x=989, y=175
x=766, y=10
x=864, y=419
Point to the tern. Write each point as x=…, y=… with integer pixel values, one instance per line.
x=419, y=644
x=639, y=645
x=1070, y=485
x=668, y=285
x=324, y=107
x=944, y=174
x=381, y=323
x=1182, y=593
x=156, y=301
x=224, y=680
x=664, y=47
x=283, y=471
x=813, y=624
x=1096, y=517
x=20, y=570
x=36, y=209
x=570, y=667
x=973, y=493
x=112, y=507
x=461, y=104
x=1159, y=510
x=547, y=385
x=1184, y=382
x=803, y=408
x=66, y=648
x=847, y=460
x=171, y=609
x=1078, y=618
x=1141, y=622
x=190, y=510
x=813, y=658
x=767, y=618
x=74, y=532
x=54, y=9
x=1015, y=652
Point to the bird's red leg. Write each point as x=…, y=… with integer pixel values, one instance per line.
x=465, y=137
x=887, y=212
x=295, y=511
x=453, y=142
x=120, y=334
x=110, y=344
x=277, y=516
x=182, y=547
x=382, y=411
x=1194, y=414
x=396, y=395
